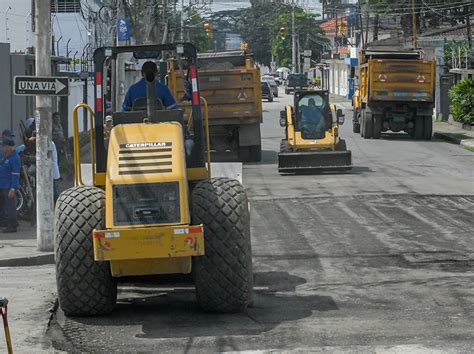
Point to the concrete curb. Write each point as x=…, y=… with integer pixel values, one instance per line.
x=36, y=260
x=452, y=139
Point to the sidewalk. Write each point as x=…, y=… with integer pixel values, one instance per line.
x=19, y=249
x=454, y=134
x=27, y=280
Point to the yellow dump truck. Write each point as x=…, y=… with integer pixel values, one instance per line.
x=396, y=92
x=230, y=84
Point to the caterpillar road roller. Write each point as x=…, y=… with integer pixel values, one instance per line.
x=312, y=142
x=152, y=206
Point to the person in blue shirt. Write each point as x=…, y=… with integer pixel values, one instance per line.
x=311, y=118
x=9, y=184
x=7, y=133
x=138, y=90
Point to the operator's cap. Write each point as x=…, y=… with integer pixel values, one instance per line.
x=108, y=118
x=7, y=133
x=7, y=142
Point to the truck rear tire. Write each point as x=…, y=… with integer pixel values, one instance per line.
x=356, y=127
x=341, y=145
x=368, y=125
x=255, y=153
x=223, y=276
x=427, y=127
x=356, y=121
x=85, y=287
x=419, y=127
x=377, y=128
x=362, y=123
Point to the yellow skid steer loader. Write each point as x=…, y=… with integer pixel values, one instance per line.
x=312, y=142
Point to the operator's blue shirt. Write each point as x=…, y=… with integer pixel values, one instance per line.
x=138, y=89
x=10, y=171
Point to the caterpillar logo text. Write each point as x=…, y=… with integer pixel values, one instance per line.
x=144, y=145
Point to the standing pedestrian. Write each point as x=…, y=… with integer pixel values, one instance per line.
x=9, y=184
x=58, y=135
x=6, y=134
x=55, y=168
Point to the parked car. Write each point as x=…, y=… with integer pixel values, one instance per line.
x=296, y=82
x=278, y=80
x=266, y=91
x=274, y=86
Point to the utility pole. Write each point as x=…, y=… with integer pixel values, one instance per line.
x=44, y=177
x=414, y=22
x=293, y=40
x=361, y=27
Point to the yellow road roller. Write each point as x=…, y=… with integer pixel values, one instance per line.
x=151, y=207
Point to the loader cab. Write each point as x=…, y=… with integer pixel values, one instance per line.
x=312, y=114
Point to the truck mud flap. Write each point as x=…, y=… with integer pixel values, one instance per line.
x=314, y=161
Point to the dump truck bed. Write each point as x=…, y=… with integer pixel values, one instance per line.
x=230, y=85
x=403, y=80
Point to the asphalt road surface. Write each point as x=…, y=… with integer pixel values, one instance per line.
x=377, y=259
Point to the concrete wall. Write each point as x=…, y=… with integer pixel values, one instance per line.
x=338, y=72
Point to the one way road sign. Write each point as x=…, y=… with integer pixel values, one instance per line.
x=44, y=86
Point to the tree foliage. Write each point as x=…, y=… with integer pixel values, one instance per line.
x=462, y=101
x=308, y=32
x=259, y=26
x=457, y=54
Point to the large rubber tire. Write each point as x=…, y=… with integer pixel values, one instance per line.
x=377, y=128
x=427, y=127
x=368, y=125
x=362, y=124
x=255, y=153
x=284, y=146
x=223, y=276
x=244, y=153
x=85, y=287
x=341, y=146
x=356, y=121
x=356, y=127
x=419, y=127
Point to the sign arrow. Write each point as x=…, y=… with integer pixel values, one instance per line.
x=59, y=86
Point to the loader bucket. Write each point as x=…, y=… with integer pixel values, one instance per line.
x=314, y=161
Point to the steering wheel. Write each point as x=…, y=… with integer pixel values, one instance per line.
x=140, y=104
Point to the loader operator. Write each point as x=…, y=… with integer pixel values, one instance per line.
x=311, y=118
x=138, y=90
